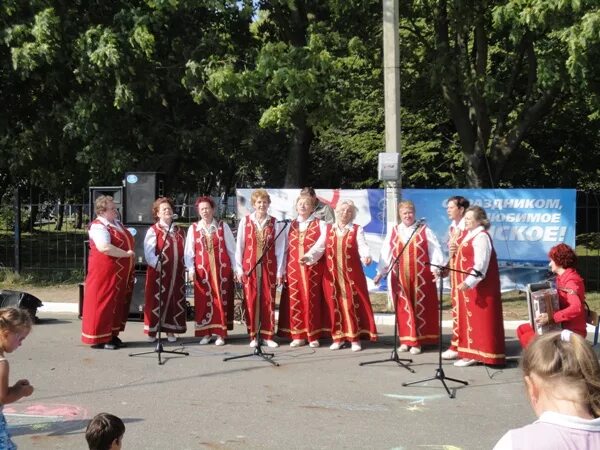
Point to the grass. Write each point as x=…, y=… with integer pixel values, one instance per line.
x=514, y=304
x=40, y=278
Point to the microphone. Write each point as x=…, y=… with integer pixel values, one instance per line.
x=421, y=221
x=284, y=221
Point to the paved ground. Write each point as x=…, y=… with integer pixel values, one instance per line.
x=316, y=399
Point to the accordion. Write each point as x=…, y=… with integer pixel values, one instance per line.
x=544, y=299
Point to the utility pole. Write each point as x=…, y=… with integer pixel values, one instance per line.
x=391, y=79
x=17, y=229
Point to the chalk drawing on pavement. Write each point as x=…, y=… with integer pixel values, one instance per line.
x=45, y=418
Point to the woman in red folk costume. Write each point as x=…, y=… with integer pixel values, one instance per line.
x=109, y=281
x=301, y=307
x=209, y=255
x=571, y=296
x=166, y=271
x=345, y=285
x=480, y=323
x=456, y=208
x=256, y=232
x=412, y=279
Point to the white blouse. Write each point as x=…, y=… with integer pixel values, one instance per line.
x=150, y=243
x=280, y=244
x=99, y=233
x=318, y=249
x=482, y=252
x=188, y=252
x=363, y=248
x=434, y=249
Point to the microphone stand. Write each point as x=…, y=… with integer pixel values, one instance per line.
x=268, y=357
x=159, y=346
x=394, y=355
x=439, y=372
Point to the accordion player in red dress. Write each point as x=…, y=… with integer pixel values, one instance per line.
x=571, y=296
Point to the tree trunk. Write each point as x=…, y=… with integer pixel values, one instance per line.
x=229, y=188
x=475, y=167
x=302, y=137
x=78, y=217
x=33, y=213
x=61, y=215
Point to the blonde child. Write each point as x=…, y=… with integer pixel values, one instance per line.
x=562, y=376
x=15, y=325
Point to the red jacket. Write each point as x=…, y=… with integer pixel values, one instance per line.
x=571, y=297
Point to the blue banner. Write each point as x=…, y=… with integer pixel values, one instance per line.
x=526, y=223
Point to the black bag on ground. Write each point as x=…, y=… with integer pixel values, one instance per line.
x=21, y=300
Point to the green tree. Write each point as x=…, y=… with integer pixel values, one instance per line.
x=104, y=90
x=501, y=67
x=562, y=150
x=302, y=74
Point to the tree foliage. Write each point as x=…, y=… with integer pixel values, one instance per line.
x=223, y=93
x=105, y=83
x=501, y=67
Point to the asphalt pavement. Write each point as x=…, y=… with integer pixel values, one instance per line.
x=314, y=399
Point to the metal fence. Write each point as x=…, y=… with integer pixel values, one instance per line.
x=588, y=238
x=53, y=237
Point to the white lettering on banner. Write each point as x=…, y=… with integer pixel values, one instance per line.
x=525, y=217
x=554, y=204
x=529, y=233
x=518, y=203
x=381, y=210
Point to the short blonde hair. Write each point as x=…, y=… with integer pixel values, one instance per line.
x=259, y=193
x=349, y=203
x=101, y=203
x=406, y=204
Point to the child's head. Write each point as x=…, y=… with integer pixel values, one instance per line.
x=105, y=432
x=563, y=366
x=15, y=325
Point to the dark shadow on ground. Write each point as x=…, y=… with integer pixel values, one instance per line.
x=51, y=321
x=53, y=428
